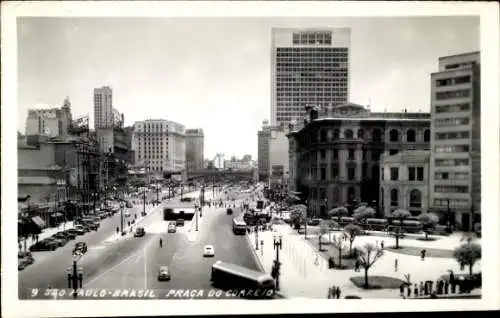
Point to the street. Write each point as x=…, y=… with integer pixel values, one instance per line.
x=133, y=263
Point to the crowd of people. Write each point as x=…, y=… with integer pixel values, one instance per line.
x=440, y=287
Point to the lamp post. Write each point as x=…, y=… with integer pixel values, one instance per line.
x=75, y=276
x=305, y=220
x=277, y=240
x=144, y=201
x=257, y=235
x=196, y=213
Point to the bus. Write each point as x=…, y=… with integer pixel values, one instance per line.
x=239, y=227
x=242, y=281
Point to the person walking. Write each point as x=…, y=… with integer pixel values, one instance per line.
x=408, y=291
x=396, y=265
x=382, y=245
x=402, y=290
x=337, y=292
x=422, y=254
x=421, y=288
x=415, y=291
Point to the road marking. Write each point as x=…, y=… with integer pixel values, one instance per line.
x=122, y=262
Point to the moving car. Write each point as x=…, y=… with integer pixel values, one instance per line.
x=164, y=273
x=126, y=214
x=140, y=232
x=80, y=248
x=229, y=211
x=76, y=231
x=179, y=222
x=128, y=204
x=208, y=251
x=172, y=227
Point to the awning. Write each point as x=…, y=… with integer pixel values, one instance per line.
x=38, y=221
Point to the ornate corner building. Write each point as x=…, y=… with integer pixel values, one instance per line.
x=335, y=155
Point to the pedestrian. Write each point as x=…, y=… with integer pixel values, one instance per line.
x=356, y=266
x=402, y=289
x=337, y=292
x=421, y=288
x=408, y=294
x=382, y=245
x=423, y=254
x=426, y=289
x=446, y=286
x=396, y=265
x=415, y=291
x=329, y=296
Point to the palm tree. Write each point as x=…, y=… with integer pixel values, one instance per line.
x=338, y=211
x=400, y=214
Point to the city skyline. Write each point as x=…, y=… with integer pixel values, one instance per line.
x=223, y=73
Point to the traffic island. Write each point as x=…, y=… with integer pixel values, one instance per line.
x=331, y=255
x=417, y=251
x=377, y=282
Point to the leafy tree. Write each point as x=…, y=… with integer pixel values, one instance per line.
x=467, y=254
x=368, y=255
x=400, y=215
x=323, y=229
x=298, y=215
x=339, y=243
x=339, y=212
x=352, y=232
x=428, y=221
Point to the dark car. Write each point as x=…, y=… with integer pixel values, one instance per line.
x=229, y=211
x=64, y=235
x=140, y=232
x=80, y=248
x=70, y=234
x=179, y=222
x=128, y=204
x=76, y=231
x=59, y=241
x=83, y=227
x=44, y=245
x=92, y=225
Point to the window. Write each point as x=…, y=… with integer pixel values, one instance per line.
x=452, y=121
x=427, y=135
x=382, y=196
x=452, y=203
x=365, y=152
x=336, y=134
x=461, y=93
x=351, y=154
x=415, y=199
x=462, y=79
x=410, y=135
x=393, y=152
x=382, y=174
x=322, y=154
x=393, y=135
x=351, y=173
x=451, y=189
x=420, y=173
x=452, y=135
x=351, y=194
x=335, y=154
x=348, y=134
x=454, y=108
x=376, y=154
x=360, y=134
x=457, y=148
x=364, y=171
x=322, y=136
x=394, y=198
x=451, y=175
x=394, y=173
x=411, y=173
x=335, y=171
x=377, y=134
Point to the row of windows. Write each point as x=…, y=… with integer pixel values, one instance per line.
x=312, y=38
x=334, y=168
x=461, y=93
x=451, y=189
x=452, y=175
x=414, y=173
x=415, y=198
x=455, y=203
x=451, y=162
x=453, y=108
x=449, y=149
x=453, y=81
x=452, y=135
x=452, y=121
x=394, y=135
x=309, y=50
x=325, y=64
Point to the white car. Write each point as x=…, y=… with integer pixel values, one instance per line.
x=126, y=214
x=208, y=251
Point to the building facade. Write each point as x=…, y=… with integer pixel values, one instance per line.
x=456, y=139
x=263, y=150
x=195, y=148
x=52, y=122
x=308, y=66
x=159, y=145
x=337, y=151
x=278, y=157
x=404, y=182
x=103, y=107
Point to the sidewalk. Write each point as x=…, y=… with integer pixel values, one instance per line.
x=47, y=232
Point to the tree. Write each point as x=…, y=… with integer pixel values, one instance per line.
x=352, y=232
x=339, y=211
x=323, y=229
x=298, y=215
x=400, y=215
x=428, y=221
x=339, y=242
x=367, y=256
x=467, y=254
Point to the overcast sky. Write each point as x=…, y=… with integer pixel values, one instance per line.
x=214, y=73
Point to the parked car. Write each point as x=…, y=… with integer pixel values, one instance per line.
x=83, y=228
x=44, y=245
x=128, y=204
x=64, y=235
x=58, y=241
x=77, y=231
x=208, y=251
x=172, y=227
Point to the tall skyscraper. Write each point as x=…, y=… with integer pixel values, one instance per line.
x=159, y=145
x=103, y=107
x=455, y=166
x=50, y=122
x=194, y=150
x=309, y=66
x=263, y=137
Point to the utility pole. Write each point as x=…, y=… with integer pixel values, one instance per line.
x=277, y=246
x=121, y=218
x=257, y=235
x=144, y=202
x=196, y=212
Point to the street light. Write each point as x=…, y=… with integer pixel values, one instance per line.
x=75, y=275
x=277, y=241
x=257, y=235
x=305, y=220
x=196, y=214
